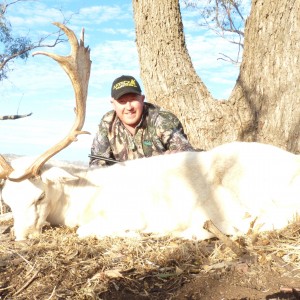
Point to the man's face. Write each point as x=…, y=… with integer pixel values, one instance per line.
x=129, y=108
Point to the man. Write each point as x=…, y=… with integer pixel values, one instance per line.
x=135, y=129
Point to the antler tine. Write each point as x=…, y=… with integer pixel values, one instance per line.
x=77, y=65
x=5, y=169
x=82, y=36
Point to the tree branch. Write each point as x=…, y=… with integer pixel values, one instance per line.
x=14, y=117
x=19, y=47
x=211, y=227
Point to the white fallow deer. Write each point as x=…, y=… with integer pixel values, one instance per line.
x=232, y=185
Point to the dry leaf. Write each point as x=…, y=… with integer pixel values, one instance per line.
x=113, y=274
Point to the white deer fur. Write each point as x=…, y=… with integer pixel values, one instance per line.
x=231, y=185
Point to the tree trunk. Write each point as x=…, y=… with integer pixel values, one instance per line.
x=269, y=76
x=264, y=105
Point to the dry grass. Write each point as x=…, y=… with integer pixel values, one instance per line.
x=58, y=265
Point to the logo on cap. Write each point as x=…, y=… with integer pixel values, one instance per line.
x=125, y=83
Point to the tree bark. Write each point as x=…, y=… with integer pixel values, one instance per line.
x=269, y=76
x=264, y=105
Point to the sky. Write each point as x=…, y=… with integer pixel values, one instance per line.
x=39, y=85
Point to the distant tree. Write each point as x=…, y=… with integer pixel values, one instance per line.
x=15, y=47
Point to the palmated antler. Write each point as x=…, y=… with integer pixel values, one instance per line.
x=77, y=65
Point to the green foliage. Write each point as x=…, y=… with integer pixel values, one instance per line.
x=11, y=47
x=18, y=46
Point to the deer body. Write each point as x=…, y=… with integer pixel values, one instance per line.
x=173, y=194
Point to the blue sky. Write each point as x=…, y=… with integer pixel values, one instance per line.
x=40, y=86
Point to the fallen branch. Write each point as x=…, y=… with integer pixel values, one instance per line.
x=290, y=290
x=211, y=227
x=27, y=283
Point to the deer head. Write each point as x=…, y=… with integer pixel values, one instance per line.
x=77, y=65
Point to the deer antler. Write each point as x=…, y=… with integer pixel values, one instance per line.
x=77, y=65
x=6, y=168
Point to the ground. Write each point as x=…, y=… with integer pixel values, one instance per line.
x=58, y=265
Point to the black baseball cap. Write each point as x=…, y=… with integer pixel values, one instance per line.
x=125, y=84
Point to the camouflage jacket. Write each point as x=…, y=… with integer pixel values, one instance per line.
x=158, y=131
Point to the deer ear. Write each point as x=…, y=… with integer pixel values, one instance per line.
x=55, y=174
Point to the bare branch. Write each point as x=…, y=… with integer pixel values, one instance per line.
x=5, y=5
x=39, y=44
x=227, y=58
x=14, y=117
x=225, y=18
x=19, y=47
x=211, y=227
